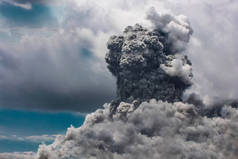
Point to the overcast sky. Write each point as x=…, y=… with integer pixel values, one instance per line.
x=52, y=52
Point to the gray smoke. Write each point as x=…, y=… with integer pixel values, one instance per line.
x=149, y=120
x=153, y=130
x=148, y=63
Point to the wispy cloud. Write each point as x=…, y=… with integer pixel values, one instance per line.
x=17, y=155
x=35, y=139
x=25, y=5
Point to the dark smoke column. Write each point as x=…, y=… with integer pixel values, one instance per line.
x=149, y=63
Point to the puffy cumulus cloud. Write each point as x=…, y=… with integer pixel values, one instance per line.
x=213, y=48
x=153, y=130
x=177, y=28
x=179, y=68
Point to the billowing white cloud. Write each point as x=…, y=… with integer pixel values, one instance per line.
x=179, y=69
x=213, y=48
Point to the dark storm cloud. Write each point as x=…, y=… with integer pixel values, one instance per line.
x=54, y=68
x=34, y=96
x=50, y=76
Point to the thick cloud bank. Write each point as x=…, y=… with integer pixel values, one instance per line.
x=153, y=130
x=157, y=128
x=46, y=63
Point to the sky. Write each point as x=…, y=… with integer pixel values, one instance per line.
x=52, y=59
x=25, y=130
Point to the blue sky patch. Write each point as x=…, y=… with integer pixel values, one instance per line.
x=86, y=53
x=19, y=146
x=18, y=126
x=37, y=16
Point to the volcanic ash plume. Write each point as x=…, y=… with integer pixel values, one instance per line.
x=148, y=63
x=149, y=120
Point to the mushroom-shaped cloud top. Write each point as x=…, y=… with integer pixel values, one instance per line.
x=145, y=68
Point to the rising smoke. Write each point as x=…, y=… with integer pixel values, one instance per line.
x=148, y=119
x=148, y=63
